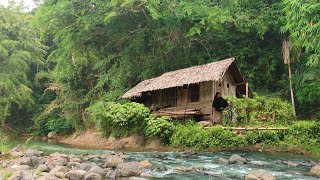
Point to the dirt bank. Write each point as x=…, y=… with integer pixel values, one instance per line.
x=90, y=138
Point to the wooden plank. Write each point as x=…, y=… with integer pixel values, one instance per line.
x=254, y=128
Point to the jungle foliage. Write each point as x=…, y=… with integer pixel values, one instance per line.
x=67, y=58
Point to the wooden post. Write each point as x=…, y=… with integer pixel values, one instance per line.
x=247, y=90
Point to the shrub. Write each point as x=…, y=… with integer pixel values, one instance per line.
x=59, y=125
x=159, y=127
x=190, y=135
x=303, y=133
x=118, y=119
x=265, y=138
x=258, y=109
x=3, y=139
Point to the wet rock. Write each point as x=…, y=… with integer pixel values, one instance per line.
x=237, y=159
x=137, y=178
x=223, y=161
x=190, y=169
x=75, y=174
x=146, y=164
x=43, y=168
x=129, y=169
x=189, y=153
x=97, y=170
x=293, y=164
x=315, y=171
x=85, y=166
x=52, y=135
x=144, y=174
x=92, y=176
x=258, y=175
x=113, y=161
x=33, y=152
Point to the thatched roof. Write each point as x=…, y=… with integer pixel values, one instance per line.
x=195, y=74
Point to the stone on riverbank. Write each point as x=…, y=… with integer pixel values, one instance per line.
x=258, y=175
x=315, y=171
x=92, y=176
x=97, y=170
x=76, y=174
x=113, y=161
x=223, y=161
x=129, y=169
x=237, y=159
x=146, y=164
x=137, y=178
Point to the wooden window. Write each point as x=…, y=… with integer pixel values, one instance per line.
x=194, y=93
x=170, y=97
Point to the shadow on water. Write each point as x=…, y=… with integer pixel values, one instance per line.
x=165, y=163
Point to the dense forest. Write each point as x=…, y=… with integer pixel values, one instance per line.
x=58, y=60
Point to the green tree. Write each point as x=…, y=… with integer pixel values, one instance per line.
x=20, y=47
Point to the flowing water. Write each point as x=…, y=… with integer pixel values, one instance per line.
x=165, y=163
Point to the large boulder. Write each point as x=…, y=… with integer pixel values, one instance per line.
x=97, y=170
x=33, y=152
x=113, y=161
x=76, y=174
x=146, y=164
x=237, y=159
x=52, y=135
x=92, y=176
x=43, y=168
x=60, y=161
x=315, y=171
x=85, y=166
x=258, y=175
x=26, y=161
x=56, y=171
x=129, y=169
x=223, y=161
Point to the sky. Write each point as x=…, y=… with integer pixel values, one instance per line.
x=28, y=3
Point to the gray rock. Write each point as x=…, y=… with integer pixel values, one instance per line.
x=85, y=166
x=26, y=161
x=137, y=178
x=52, y=135
x=33, y=152
x=43, y=168
x=50, y=165
x=129, y=169
x=92, y=176
x=237, y=159
x=60, y=175
x=113, y=161
x=35, y=161
x=60, y=161
x=76, y=174
x=17, y=148
x=144, y=174
x=223, y=161
x=97, y=170
x=48, y=177
x=293, y=164
x=111, y=174
x=146, y=164
x=258, y=175
x=315, y=171
x=72, y=164
x=24, y=167
x=58, y=169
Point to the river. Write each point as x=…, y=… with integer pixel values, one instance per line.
x=165, y=163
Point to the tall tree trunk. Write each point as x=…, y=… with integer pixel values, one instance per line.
x=286, y=46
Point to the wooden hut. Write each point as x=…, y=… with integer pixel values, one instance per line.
x=190, y=91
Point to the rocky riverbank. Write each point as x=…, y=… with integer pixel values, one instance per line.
x=33, y=164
